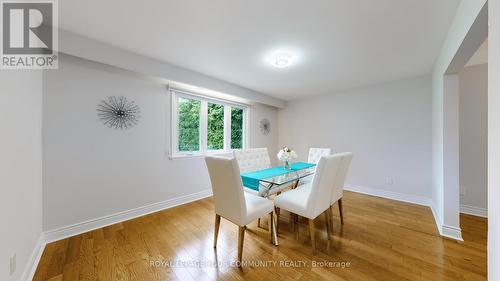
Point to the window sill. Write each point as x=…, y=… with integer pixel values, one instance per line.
x=200, y=155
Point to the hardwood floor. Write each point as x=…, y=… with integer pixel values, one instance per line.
x=380, y=240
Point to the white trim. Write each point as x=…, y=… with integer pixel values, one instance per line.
x=409, y=198
x=444, y=230
x=451, y=232
x=247, y=132
x=202, y=95
x=437, y=218
x=203, y=123
x=227, y=127
x=220, y=153
x=475, y=211
x=82, y=227
x=174, y=125
x=36, y=255
x=202, y=131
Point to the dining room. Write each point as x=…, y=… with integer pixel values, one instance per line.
x=250, y=140
x=228, y=188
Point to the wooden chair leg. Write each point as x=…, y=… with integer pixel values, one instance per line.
x=297, y=226
x=292, y=222
x=258, y=222
x=340, y=211
x=330, y=210
x=313, y=232
x=327, y=223
x=216, y=230
x=241, y=237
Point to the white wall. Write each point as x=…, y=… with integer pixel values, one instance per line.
x=20, y=169
x=446, y=208
x=91, y=171
x=257, y=139
x=473, y=136
x=494, y=142
x=388, y=127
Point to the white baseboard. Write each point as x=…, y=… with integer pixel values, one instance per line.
x=82, y=227
x=444, y=230
x=475, y=211
x=30, y=268
x=451, y=232
x=437, y=218
x=409, y=198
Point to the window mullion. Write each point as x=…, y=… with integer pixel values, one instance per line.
x=227, y=127
x=203, y=126
x=175, y=125
x=246, y=129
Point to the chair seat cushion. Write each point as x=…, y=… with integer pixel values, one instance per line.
x=295, y=200
x=256, y=207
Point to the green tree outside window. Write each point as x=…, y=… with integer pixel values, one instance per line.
x=215, y=127
x=189, y=125
x=236, y=128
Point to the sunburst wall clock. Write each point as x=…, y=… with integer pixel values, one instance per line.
x=265, y=126
x=118, y=113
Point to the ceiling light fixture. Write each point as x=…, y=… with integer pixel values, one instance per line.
x=282, y=60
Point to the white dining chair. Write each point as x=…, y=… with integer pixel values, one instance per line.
x=313, y=199
x=252, y=159
x=314, y=155
x=232, y=203
x=338, y=186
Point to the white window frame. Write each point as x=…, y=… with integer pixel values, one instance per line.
x=175, y=94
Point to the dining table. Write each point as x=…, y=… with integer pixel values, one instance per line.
x=272, y=180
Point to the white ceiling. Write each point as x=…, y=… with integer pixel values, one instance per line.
x=338, y=44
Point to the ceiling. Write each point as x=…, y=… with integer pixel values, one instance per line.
x=335, y=44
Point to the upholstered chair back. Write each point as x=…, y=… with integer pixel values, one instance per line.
x=227, y=188
x=321, y=187
x=316, y=153
x=338, y=187
x=252, y=159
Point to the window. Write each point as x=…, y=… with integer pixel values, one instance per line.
x=189, y=125
x=236, y=128
x=215, y=129
x=203, y=125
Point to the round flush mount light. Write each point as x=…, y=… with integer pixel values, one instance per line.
x=282, y=60
x=282, y=57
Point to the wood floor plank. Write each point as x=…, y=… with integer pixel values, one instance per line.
x=380, y=240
